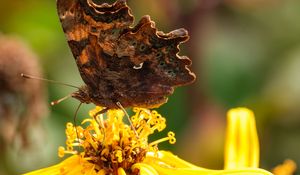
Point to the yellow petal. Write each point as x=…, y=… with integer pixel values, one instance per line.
x=242, y=145
x=165, y=163
x=55, y=170
x=169, y=159
x=72, y=165
x=144, y=169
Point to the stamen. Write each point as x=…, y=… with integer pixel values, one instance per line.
x=112, y=143
x=62, y=152
x=121, y=171
x=171, y=138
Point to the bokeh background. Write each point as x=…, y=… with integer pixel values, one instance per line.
x=245, y=53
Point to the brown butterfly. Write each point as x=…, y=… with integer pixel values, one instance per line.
x=134, y=66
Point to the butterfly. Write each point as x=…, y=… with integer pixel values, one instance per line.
x=136, y=66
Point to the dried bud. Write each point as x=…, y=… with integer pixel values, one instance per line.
x=22, y=101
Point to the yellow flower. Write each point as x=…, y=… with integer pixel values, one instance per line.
x=112, y=147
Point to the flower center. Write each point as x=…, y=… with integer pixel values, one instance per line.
x=111, y=144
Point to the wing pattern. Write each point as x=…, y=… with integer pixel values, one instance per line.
x=136, y=66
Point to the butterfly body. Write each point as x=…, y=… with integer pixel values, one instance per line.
x=135, y=66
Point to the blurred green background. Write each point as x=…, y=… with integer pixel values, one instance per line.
x=245, y=53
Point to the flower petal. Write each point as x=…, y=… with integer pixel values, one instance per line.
x=165, y=163
x=242, y=145
x=169, y=159
x=144, y=169
x=72, y=165
x=55, y=170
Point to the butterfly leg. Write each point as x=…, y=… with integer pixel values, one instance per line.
x=101, y=112
x=74, y=120
x=128, y=118
x=100, y=121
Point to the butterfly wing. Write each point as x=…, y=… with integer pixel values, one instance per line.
x=86, y=26
x=137, y=66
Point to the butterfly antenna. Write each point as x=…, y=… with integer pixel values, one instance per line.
x=50, y=81
x=128, y=118
x=60, y=100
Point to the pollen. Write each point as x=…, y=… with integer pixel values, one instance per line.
x=111, y=145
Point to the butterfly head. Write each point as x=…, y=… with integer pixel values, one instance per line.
x=82, y=95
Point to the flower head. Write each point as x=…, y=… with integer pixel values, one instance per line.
x=111, y=147
x=111, y=144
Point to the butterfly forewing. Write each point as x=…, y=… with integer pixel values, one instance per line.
x=133, y=65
